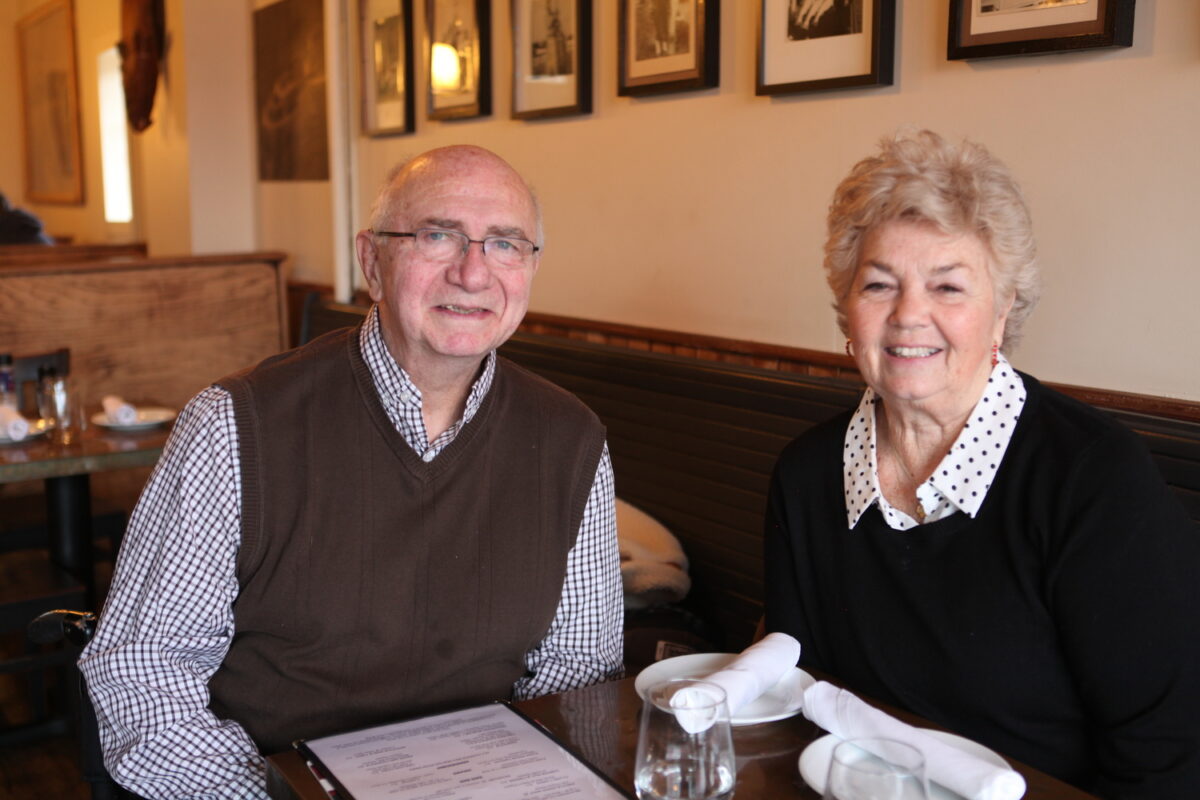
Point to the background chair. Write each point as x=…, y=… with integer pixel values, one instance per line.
x=73, y=630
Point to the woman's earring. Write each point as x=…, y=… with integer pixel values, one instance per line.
x=995, y=354
x=849, y=352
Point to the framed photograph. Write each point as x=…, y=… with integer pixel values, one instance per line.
x=668, y=45
x=813, y=45
x=989, y=28
x=552, y=58
x=459, y=58
x=50, y=98
x=386, y=65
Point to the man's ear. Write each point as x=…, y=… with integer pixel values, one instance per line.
x=370, y=263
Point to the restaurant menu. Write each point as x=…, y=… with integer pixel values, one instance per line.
x=491, y=752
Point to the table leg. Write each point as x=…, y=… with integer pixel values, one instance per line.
x=69, y=518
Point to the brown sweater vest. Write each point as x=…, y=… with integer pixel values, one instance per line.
x=373, y=585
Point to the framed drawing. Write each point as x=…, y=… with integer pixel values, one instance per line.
x=988, y=28
x=459, y=58
x=668, y=45
x=386, y=65
x=812, y=45
x=552, y=58
x=50, y=97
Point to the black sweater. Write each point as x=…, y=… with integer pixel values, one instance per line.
x=1059, y=626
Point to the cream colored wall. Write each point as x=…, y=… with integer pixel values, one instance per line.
x=704, y=211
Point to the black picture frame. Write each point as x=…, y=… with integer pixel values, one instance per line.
x=1031, y=31
x=658, y=55
x=458, y=57
x=851, y=44
x=551, y=58
x=386, y=67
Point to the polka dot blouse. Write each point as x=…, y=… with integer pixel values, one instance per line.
x=961, y=480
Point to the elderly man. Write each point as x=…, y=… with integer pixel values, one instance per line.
x=388, y=521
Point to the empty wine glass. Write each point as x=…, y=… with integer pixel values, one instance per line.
x=875, y=769
x=685, y=745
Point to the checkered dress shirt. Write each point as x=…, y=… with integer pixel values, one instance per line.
x=168, y=620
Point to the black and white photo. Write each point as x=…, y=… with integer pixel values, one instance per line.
x=815, y=45
x=552, y=58
x=668, y=45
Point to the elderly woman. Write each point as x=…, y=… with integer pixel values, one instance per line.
x=968, y=544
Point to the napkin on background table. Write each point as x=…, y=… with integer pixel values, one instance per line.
x=118, y=411
x=846, y=716
x=12, y=424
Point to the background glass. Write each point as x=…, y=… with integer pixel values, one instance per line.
x=684, y=753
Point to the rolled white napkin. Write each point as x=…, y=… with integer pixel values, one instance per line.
x=12, y=424
x=759, y=667
x=844, y=715
x=118, y=411
x=755, y=670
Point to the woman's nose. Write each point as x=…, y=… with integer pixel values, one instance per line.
x=911, y=308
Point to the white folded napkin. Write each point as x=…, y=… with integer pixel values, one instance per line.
x=12, y=424
x=755, y=670
x=846, y=716
x=759, y=667
x=118, y=411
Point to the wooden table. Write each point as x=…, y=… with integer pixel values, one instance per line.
x=65, y=469
x=600, y=723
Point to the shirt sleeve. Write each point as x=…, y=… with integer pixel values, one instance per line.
x=168, y=622
x=584, y=644
x=1124, y=589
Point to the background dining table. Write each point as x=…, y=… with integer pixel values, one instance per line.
x=600, y=723
x=65, y=470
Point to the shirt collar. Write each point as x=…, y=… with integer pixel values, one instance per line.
x=962, y=478
x=400, y=396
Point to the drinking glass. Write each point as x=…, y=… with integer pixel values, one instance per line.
x=875, y=769
x=685, y=745
x=64, y=403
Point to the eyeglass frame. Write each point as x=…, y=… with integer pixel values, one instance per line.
x=469, y=241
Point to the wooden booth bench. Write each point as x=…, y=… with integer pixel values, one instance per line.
x=693, y=442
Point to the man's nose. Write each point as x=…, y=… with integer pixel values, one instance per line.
x=471, y=270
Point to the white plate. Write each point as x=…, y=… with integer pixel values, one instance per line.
x=814, y=761
x=37, y=427
x=783, y=700
x=147, y=417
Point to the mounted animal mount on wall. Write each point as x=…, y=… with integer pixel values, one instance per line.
x=142, y=45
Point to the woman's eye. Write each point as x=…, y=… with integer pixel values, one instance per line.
x=947, y=288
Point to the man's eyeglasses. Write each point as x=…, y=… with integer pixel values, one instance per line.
x=439, y=244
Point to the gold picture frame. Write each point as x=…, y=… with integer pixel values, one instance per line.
x=50, y=100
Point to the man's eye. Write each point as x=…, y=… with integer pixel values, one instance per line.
x=437, y=236
x=503, y=245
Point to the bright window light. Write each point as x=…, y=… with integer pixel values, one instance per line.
x=114, y=140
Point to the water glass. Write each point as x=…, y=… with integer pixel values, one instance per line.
x=876, y=769
x=62, y=403
x=685, y=744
